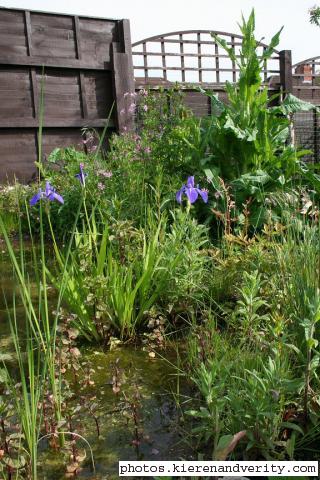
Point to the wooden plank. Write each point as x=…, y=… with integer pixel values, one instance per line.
x=51, y=32
x=234, y=69
x=185, y=54
x=8, y=40
x=123, y=82
x=182, y=56
x=11, y=16
x=195, y=69
x=98, y=27
x=195, y=42
x=15, y=103
x=29, y=122
x=38, y=61
x=199, y=56
x=216, y=48
x=12, y=28
x=28, y=33
x=163, y=52
x=77, y=37
x=52, y=20
x=145, y=60
x=84, y=106
x=286, y=70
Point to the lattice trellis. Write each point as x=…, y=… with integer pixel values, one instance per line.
x=306, y=79
x=192, y=57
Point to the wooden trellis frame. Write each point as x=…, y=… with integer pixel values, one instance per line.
x=153, y=58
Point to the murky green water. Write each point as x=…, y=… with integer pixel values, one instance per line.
x=152, y=380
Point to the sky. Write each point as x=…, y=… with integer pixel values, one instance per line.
x=149, y=17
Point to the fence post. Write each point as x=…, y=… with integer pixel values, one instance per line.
x=123, y=78
x=315, y=136
x=286, y=71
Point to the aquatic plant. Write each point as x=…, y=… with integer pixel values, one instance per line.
x=191, y=192
x=81, y=175
x=49, y=193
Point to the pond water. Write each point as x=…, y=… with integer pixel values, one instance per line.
x=148, y=381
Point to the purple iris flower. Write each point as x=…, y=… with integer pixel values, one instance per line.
x=49, y=193
x=81, y=175
x=191, y=192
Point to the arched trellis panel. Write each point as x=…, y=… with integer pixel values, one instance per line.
x=306, y=79
x=306, y=85
x=192, y=57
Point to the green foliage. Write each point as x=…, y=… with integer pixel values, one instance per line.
x=116, y=275
x=314, y=13
x=246, y=135
x=255, y=367
x=244, y=145
x=247, y=316
x=249, y=300
x=186, y=240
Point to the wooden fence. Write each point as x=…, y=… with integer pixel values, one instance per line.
x=193, y=58
x=87, y=68
x=89, y=64
x=306, y=85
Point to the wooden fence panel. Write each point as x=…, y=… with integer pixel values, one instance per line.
x=193, y=58
x=75, y=60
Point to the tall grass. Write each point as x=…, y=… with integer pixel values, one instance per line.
x=28, y=393
x=105, y=291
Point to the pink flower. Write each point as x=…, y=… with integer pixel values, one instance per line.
x=145, y=108
x=122, y=111
x=147, y=150
x=105, y=173
x=101, y=186
x=132, y=108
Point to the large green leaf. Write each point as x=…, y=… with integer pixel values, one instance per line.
x=293, y=104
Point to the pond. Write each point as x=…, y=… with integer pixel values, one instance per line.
x=132, y=393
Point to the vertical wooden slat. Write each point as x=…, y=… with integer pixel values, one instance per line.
x=33, y=73
x=313, y=72
x=216, y=48
x=286, y=71
x=234, y=73
x=125, y=37
x=315, y=136
x=122, y=77
x=145, y=60
x=84, y=105
x=83, y=97
x=122, y=84
x=265, y=68
x=199, y=57
x=163, y=55
x=27, y=19
x=77, y=36
x=183, y=72
x=34, y=92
